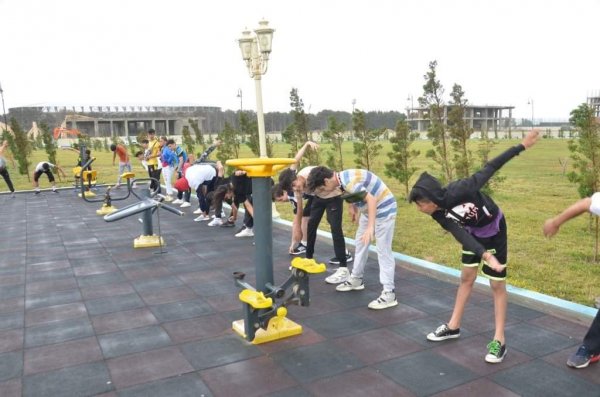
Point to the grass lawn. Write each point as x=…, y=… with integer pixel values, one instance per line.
x=535, y=189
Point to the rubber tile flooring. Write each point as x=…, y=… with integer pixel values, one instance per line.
x=83, y=313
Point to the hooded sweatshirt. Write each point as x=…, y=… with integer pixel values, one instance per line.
x=464, y=210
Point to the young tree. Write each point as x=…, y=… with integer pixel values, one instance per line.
x=433, y=101
x=230, y=146
x=250, y=128
x=48, y=142
x=402, y=155
x=301, y=133
x=197, y=133
x=334, y=135
x=366, y=147
x=105, y=145
x=187, y=140
x=484, y=148
x=20, y=147
x=460, y=133
x=585, y=151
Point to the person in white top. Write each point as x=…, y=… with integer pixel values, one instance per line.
x=45, y=167
x=201, y=178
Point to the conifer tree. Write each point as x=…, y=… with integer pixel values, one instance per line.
x=230, y=146
x=197, y=133
x=460, y=133
x=334, y=135
x=48, y=142
x=187, y=140
x=401, y=165
x=366, y=146
x=20, y=147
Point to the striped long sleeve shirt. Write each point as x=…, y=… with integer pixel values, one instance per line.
x=356, y=180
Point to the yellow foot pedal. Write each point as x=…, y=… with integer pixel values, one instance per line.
x=88, y=194
x=148, y=241
x=308, y=265
x=279, y=327
x=256, y=299
x=106, y=209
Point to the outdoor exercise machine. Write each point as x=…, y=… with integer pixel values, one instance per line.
x=264, y=317
x=107, y=200
x=147, y=206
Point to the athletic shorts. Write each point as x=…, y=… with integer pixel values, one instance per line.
x=37, y=174
x=497, y=245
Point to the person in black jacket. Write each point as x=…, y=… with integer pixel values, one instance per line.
x=476, y=222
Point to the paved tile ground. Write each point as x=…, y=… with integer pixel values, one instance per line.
x=82, y=313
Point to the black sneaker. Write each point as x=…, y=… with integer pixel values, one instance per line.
x=442, y=333
x=496, y=352
x=336, y=261
x=54, y=191
x=228, y=224
x=37, y=192
x=299, y=250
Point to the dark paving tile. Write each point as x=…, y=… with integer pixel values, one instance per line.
x=181, y=310
x=425, y=373
x=417, y=330
x=321, y=360
x=292, y=392
x=398, y=314
x=59, y=331
x=168, y=295
x=114, y=304
x=104, y=291
x=151, y=284
x=352, y=299
x=11, y=340
x=11, y=388
x=12, y=291
x=477, y=319
x=559, y=360
x=11, y=365
x=197, y=328
x=80, y=380
x=536, y=341
x=224, y=302
x=338, y=324
x=133, y=341
x=479, y=387
x=319, y=305
x=11, y=320
x=549, y=381
x=52, y=299
x=120, y=321
x=470, y=352
x=230, y=380
x=150, y=271
x=138, y=368
x=306, y=338
x=61, y=355
x=54, y=313
x=362, y=382
x=433, y=303
x=48, y=266
x=94, y=269
x=217, y=287
x=40, y=287
x=377, y=345
x=181, y=386
x=51, y=274
x=12, y=279
x=568, y=328
x=218, y=351
x=101, y=279
x=514, y=311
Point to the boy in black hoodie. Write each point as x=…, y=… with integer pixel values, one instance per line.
x=478, y=224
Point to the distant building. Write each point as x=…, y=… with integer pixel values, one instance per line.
x=479, y=118
x=106, y=121
x=594, y=101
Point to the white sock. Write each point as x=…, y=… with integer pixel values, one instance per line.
x=303, y=243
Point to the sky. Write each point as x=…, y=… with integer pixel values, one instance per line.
x=185, y=52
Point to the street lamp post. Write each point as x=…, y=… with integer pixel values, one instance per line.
x=239, y=95
x=255, y=52
x=530, y=102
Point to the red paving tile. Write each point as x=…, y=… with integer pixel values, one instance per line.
x=119, y=321
x=359, y=383
x=11, y=340
x=60, y=355
x=54, y=313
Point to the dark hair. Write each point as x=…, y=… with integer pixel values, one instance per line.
x=170, y=141
x=139, y=153
x=417, y=194
x=46, y=166
x=286, y=177
x=277, y=191
x=151, y=131
x=218, y=195
x=88, y=151
x=317, y=176
x=145, y=141
x=113, y=147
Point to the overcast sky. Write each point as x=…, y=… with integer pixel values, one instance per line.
x=111, y=52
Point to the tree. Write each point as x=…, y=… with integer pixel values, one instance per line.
x=585, y=152
x=197, y=133
x=48, y=142
x=21, y=147
x=432, y=99
x=230, y=146
x=187, y=140
x=334, y=134
x=300, y=130
x=402, y=155
x=460, y=133
x=250, y=128
x=484, y=148
x=366, y=146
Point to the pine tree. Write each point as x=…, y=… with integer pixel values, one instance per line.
x=334, y=135
x=402, y=155
x=301, y=133
x=250, y=128
x=48, y=142
x=230, y=146
x=21, y=147
x=433, y=101
x=187, y=140
x=197, y=133
x=460, y=133
x=366, y=146
x=484, y=147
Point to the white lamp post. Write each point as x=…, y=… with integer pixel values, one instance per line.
x=530, y=102
x=255, y=52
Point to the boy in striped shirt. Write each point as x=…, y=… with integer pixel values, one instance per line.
x=373, y=206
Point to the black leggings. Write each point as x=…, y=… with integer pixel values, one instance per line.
x=154, y=172
x=4, y=173
x=334, y=208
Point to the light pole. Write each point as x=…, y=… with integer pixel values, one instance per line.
x=239, y=95
x=3, y=109
x=255, y=52
x=530, y=102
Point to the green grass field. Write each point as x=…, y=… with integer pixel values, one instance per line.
x=535, y=189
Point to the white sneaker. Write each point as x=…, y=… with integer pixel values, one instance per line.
x=215, y=222
x=177, y=201
x=202, y=218
x=247, y=232
x=351, y=284
x=168, y=198
x=185, y=205
x=385, y=300
x=340, y=275
x=198, y=211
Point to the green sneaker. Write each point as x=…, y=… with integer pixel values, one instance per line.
x=496, y=352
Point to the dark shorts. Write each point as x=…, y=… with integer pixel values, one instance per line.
x=37, y=174
x=497, y=245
